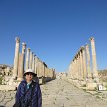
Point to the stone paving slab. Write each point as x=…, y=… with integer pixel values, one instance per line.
x=58, y=93
x=7, y=88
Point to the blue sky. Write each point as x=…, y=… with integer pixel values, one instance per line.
x=53, y=29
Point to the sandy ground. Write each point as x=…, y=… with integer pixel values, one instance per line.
x=58, y=93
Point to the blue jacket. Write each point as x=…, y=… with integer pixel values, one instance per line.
x=35, y=100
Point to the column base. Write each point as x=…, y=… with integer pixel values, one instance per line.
x=91, y=86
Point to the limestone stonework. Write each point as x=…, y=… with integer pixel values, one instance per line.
x=21, y=62
x=94, y=62
x=20, y=67
x=16, y=58
x=31, y=59
x=81, y=71
x=89, y=75
x=33, y=62
x=84, y=64
x=27, y=58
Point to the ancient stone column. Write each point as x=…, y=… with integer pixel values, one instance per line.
x=31, y=59
x=23, y=52
x=46, y=72
x=27, y=58
x=94, y=62
x=77, y=67
x=38, y=67
x=21, y=62
x=89, y=75
x=16, y=58
x=33, y=63
x=36, y=64
x=81, y=64
x=73, y=69
x=41, y=69
x=84, y=63
x=20, y=67
x=23, y=48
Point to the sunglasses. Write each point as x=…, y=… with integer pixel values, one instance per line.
x=29, y=73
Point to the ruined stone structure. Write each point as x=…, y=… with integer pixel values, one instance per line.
x=5, y=70
x=16, y=58
x=94, y=62
x=27, y=58
x=80, y=70
x=31, y=61
x=21, y=62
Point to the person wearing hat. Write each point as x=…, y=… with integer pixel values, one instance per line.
x=28, y=93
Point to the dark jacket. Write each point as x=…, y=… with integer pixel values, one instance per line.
x=32, y=96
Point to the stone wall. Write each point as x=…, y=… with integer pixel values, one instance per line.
x=5, y=70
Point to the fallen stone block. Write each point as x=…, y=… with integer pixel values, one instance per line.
x=91, y=86
x=7, y=88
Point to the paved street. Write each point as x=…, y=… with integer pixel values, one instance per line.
x=59, y=93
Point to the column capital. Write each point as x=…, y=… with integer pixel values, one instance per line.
x=86, y=44
x=17, y=39
x=28, y=49
x=91, y=38
x=23, y=47
x=82, y=47
x=23, y=44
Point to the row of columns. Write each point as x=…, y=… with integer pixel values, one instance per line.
x=30, y=62
x=80, y=67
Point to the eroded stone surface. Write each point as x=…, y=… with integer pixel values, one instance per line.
x=59, y=93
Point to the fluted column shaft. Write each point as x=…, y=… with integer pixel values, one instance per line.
x=31, y=59
x=89, y=76
x=78, y=67
x=16, y=58
x=94, y=62
x=33, y=63
x=81, y=64
x=84, y=64
x=21, y=62
x=27, y=58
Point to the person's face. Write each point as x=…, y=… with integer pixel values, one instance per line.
x=29, y=76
